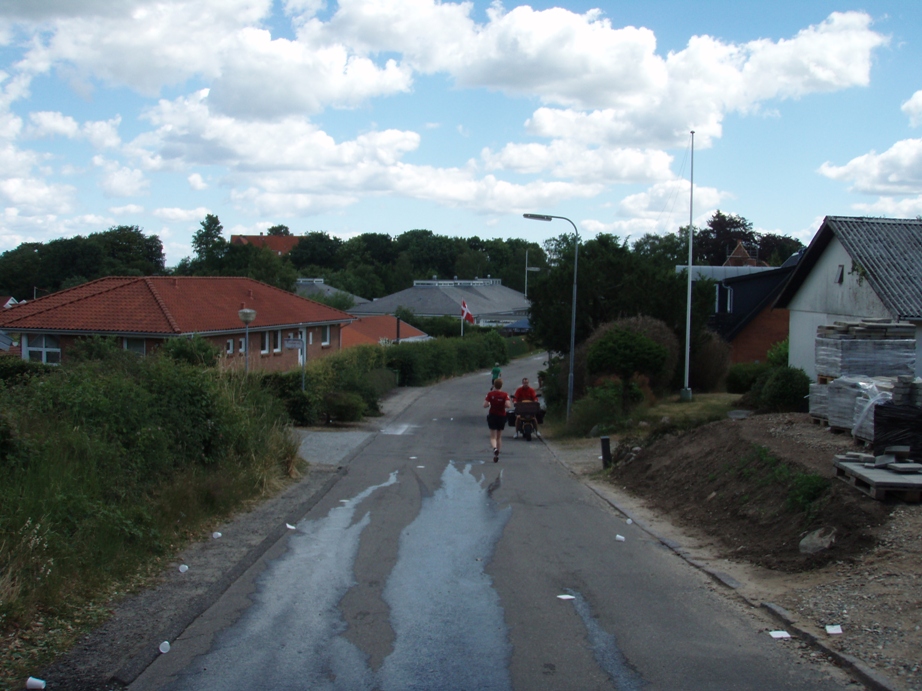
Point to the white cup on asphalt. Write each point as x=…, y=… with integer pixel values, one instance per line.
x=33, y=683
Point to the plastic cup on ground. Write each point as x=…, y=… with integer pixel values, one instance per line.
x=33, y=683
x=164, y=647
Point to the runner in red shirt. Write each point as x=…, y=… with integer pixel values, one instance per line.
x=498, y=402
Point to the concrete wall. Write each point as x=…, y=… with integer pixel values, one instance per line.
x=822, y=300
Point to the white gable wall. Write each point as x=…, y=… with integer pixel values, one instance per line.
x=821, y=300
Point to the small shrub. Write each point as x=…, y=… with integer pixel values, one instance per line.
x=785, y=390
x=342, y=406
x=806, y=488
x=777, y=355
x=710, y=360
x=741, y=376
x=196, y=351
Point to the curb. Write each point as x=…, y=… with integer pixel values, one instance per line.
x=870, y=678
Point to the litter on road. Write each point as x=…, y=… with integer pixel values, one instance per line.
x=833, y=629
x=290, y=526
x=619, y=538
x=35, y=683
x=164, y=647
x=565, y=597
x=216, y=535
x=183, y=568
x=779, y=634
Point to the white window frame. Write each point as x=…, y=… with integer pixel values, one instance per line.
x=242, y=345
x=229, y=346
x=310, y=337
x=264, y=342
x=43, y=349
x=325, y=332
x=277, y=341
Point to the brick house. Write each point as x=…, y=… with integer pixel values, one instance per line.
x=142, y=312
x=379, y=330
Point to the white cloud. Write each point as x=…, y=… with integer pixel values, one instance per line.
x=196, y=182
x=128, y=209
x=913, y=108
x=120, y=181
x=101, y=134
x=177, y=214
x=896, y=171
x=908, y=207
x=573, y=161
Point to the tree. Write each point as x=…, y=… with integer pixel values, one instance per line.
x=316, y=249
x=714, y=244
x=625, y=353
x=278, y=230
x=209, y=243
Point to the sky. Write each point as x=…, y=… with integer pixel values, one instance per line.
x=385, y=116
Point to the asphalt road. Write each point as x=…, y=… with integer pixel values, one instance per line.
x=428, y=566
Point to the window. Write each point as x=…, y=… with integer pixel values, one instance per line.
x=134, y=345
x=840, y=273
x=43, y=348
x=264, y=342
x=241, y=345
x=277, y=341
x=325, y=335
x=229, y=346
x=310, y=337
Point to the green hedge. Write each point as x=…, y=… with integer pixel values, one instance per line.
x=423, y=362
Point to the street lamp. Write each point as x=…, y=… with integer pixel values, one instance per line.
x=527, y=269
x=246, y=316
x=542, y=217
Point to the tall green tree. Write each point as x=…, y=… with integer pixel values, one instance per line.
x=209, y=243
x=317, y=249
x=279, y=230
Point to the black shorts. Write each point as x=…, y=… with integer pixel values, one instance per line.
x=497, y=422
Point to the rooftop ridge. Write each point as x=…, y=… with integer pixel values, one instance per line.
x=50, y=304
x=161, y=304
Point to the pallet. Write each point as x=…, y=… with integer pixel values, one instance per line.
x=821, y=379
x=879, y=483
x=819, y=420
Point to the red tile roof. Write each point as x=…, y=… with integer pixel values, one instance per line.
x=370, y=330
x=280, y=244
x=166, y=305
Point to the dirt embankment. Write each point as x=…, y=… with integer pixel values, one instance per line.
x=754, y=488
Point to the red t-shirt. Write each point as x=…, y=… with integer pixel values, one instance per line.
x=525, y=393
x=497, y=400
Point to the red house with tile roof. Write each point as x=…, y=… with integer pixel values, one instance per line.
x=280, y=244
x=380, y=330
x=142, y=312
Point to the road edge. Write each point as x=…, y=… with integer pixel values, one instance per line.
x=869, y=677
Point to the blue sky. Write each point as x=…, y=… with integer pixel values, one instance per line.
x=390, y=115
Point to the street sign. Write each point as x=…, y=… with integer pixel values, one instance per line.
x=292, y=343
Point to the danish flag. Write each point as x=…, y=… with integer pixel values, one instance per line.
x=466, y=313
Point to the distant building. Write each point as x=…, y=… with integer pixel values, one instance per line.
x=491, y=303
x=315, y=287
x=280, y=244
x=380, y=330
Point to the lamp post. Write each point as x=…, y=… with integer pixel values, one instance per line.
x=542, y=217
x=246, y=316
x=527, y=269
x=686, y=393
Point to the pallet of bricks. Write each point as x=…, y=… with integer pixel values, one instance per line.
x=860, y=366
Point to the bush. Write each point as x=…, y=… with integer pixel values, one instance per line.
x=777, y=355
x=423, y=362
x=14, y=370
x=196, y=351
x=741, y=376
x=341, y=406
x=710, y=360
x=785, y=390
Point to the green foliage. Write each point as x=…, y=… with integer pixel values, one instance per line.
x=806, y=488
x=197, y=351
x=111, y=459
x=440, y=327
x=422, y=362
x=35, y=269
x=777, y=355
x=625, y=353
x=710, y=361
x=785, y=390
x=338, y=300
x=741, y=376
x=14, y=370
x=342, y=406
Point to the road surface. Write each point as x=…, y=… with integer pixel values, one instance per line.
x=428, y=566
